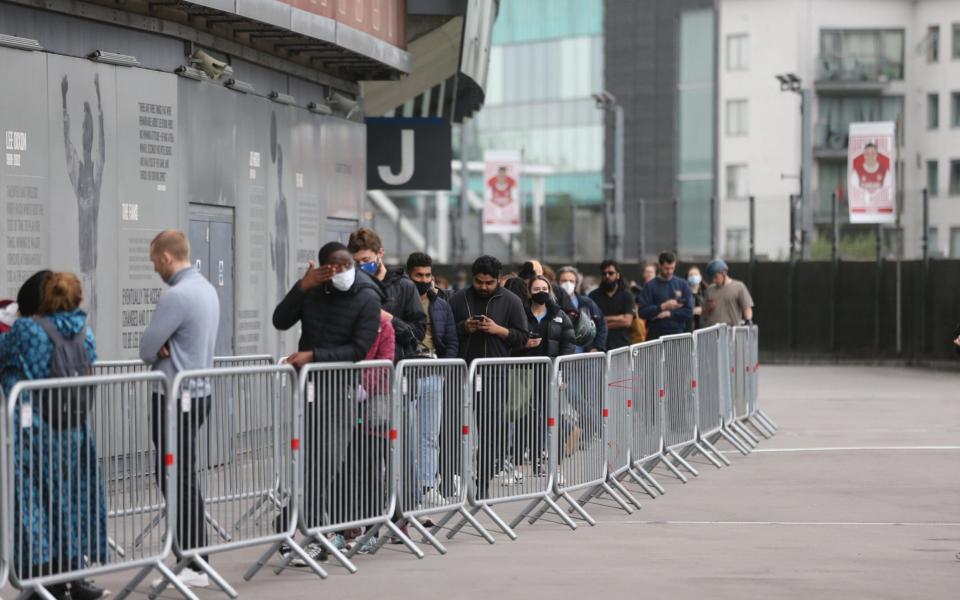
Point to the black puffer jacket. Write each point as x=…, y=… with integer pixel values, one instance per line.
x=337, y=326
x=556, y=333
x=403, y=302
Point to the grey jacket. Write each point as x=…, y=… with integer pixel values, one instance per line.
x=186, y=320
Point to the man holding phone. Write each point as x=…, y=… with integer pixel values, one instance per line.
x=490, y=320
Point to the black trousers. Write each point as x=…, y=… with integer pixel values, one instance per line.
x=191, y=526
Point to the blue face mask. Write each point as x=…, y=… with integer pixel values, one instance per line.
x=694, y=280
x=370, y=268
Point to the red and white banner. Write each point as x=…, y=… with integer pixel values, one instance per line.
x=501, y=191
x=871, y=173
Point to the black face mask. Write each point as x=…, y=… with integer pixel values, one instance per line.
x=423, y=286
x=541, y=297
x=608, y=286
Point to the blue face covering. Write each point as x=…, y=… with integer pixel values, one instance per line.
x=694, y=280
x=370, y=268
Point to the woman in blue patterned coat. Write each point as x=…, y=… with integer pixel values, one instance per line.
x=60, y=514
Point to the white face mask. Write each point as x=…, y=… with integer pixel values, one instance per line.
x=569, y=287
x=344, y=281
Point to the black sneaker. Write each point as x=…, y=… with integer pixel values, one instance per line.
x=85, y=590
x=58, y=591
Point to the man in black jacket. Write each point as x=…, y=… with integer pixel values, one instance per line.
x=402, y=299
x=338, y=308
x=491, y=323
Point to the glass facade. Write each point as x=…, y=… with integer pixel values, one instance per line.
x=696, y=98
x=861, y=55
x=545, y=64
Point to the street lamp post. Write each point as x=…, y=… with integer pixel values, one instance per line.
x=791, y=83
x=613, y=217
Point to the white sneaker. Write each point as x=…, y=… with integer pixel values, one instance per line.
x=433, y=498
x=189, y=578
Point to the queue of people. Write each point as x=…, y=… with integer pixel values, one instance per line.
x=349, y=306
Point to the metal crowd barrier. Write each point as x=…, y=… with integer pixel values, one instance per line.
x=744, y=365
x=680, y=401
x=580, y=383
x=711, y=352
x=514, y=429
x=622, y=400
x=85, y=513
x=646, y=418
x=350, y=418
x=728, y=370
x=755, y=412
x=237, y=442
x=434, y=445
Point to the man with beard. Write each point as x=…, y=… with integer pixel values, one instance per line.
x=617, y=304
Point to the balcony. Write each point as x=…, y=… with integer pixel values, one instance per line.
x=849, y=73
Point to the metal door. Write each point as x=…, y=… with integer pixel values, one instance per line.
x=199, y=246
x=221, y=276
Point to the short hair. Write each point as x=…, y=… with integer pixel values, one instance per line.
x=667, y=258
x=364, y=239
x=577, y=277
x=869, y=145
x=328, y=250
x=172, y=241
x=418, y=259
x=487, y=265
x=62, y=292
x=519, y=287
x=31, y=293
x=610, y=263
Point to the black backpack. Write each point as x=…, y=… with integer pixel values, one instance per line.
x=69, y=406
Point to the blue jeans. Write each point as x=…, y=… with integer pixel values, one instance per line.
x=425, y=425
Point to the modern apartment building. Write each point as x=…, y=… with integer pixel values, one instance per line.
x=864, y=60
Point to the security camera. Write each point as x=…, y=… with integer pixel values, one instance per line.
x=215, y=69
x=343, y=105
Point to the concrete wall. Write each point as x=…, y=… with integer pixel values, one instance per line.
x=77, y=195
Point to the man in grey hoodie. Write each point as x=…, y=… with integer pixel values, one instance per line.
x=181, y=336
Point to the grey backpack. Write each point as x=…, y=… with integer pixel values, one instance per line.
x=66, y=408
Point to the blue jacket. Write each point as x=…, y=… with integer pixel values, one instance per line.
x=444, y=328
x=656, y=292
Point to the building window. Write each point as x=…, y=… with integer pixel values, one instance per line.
x=955, y=177
x=955, y=242
x=736, y=182
x=738, y=47
x=736, y=117
x=955, y=54
x=933, y=43
x=859, y=55
x=738, y=240
x=933, y=242
x=955, y=109
x=933, y=111
x=933, y=178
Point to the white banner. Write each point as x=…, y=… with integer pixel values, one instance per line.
x=871, y=170
x=501, y=191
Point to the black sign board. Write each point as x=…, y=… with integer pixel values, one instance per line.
x=408, y=154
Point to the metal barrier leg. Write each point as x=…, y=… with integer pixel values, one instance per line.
x=624, y=492
x=758, y=427
x=766, y=419
x=696, y=446
x=467, y=517
x=639, y=481
x=751, y=440
x=456, y=528
x=405, y=540
x=763, y=423
x=427, y=536
x=580, y=510
x=734, y=441
x=133, y=583
x=175, y=581
x=295, y=547
x=715, y=452
x=527, y=510
x=646, y=475
x=216, y=577
x=673, y=469
x=680, y=460
x=499, y=522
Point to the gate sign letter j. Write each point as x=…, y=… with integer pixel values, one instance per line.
x=408, y=154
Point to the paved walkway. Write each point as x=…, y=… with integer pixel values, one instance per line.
x=858, y=496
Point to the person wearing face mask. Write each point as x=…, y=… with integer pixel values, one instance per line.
x=617, y=304
x=441, y=341
x=570, y=281
x=401, y=298
x=338, y=308
x=695, y=281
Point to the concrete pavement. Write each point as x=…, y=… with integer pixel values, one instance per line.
x=858, y=496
